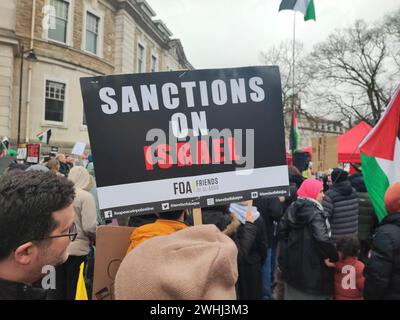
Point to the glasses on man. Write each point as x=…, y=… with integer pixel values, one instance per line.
x=72, y=233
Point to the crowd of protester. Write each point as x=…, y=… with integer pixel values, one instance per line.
x=320, y=242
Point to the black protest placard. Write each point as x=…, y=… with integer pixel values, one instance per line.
x=172, y=140
x=33, y=153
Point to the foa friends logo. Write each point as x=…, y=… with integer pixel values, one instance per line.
x=195, y=186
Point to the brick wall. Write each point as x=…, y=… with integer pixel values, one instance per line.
x=74, y=54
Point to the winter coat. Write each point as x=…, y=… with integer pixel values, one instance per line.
x=85, y=212
x=64, y=169
x=306, y=232
x=271, y=211
x=10, y=290
x=251, y=241
x=382, y=273
x=344, y=270
x=159, y=228
x=251, y=238
x=367, y=220
x=85, y=221
x=341, y=207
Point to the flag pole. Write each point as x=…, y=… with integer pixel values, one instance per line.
x=293, y=74
x=293, y=59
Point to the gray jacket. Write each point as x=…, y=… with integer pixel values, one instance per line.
x=85, y=221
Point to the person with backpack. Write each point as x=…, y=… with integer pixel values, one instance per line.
x=309, y=251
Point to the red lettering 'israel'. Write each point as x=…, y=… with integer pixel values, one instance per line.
x=186, y=158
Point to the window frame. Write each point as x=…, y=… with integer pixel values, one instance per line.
x=100, y=36
x=140, y=45
x=65, y=109
x=154, y=58
x=69, y=29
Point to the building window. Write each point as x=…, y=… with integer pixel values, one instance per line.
x=59, y=33
x=153, y=64
x=92, y=32
x=55, y=97
x=140, y=58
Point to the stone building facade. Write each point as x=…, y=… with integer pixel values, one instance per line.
x=309, y=126
x=72, y=39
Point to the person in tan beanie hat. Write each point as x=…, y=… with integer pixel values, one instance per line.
x=382, y=273
x=197, y=263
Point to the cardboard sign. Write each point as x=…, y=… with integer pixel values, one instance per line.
x=111, y=246
x=79, y=148
x=187, y=139
x=22, y=151
x=33, y=153
x=54, y=150
x=325, y=154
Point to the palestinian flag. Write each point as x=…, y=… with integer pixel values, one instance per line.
x=294, y=137
x=44, y=136
x=380, y=156
x=306, y=7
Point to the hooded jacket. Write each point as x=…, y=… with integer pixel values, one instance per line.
x=85, y=211
x=341, y=207
x=306, y=232
x=382, y=273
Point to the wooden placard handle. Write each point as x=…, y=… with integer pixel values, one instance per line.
x=249, y=205
x=197, y=218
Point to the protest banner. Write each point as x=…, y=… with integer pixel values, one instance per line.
x=187, y=139
x=33, y=153
x=111, y=247
x=325, y=154
x=22, y=151
x=79, y=148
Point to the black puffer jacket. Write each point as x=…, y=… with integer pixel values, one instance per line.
x=251, y=241
x=367, y=220
x=341, y=206
x=306, y=233
x=271, y=211
x=18, y=291
x=382, y=273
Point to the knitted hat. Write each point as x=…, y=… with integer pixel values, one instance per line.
x=339, y=175
x=392, y=198
x=310, y=188
x=196, y=263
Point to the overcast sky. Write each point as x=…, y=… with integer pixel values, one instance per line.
x=230, y=33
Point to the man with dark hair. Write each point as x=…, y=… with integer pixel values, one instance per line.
x=167, y=223
x=36, y=227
